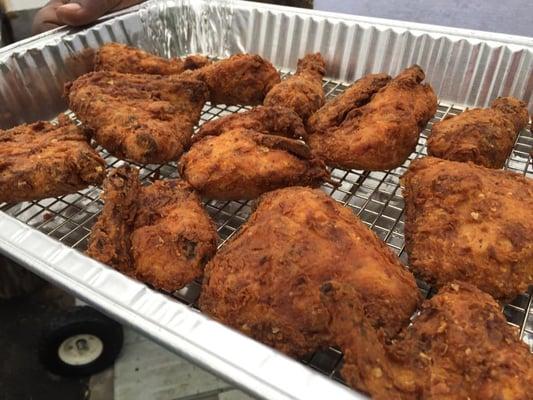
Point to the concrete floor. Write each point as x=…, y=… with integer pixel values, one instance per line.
x=511, y=16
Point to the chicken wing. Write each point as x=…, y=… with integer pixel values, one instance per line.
x=484, y=136
x=46, y=160
x=266, y=281
x=242, y=79
x=118, y=57
x=381, y=134
x=470, y=223
x=148, y=119
x=303, y=91
x=243, y=163
x=278, y=121
x=459, y=347
x=159, y=233
x=334, y=112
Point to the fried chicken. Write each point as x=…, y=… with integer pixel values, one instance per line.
x=303, y=91
x=334, y=112
x=110, y=240
x=278, y=121
x=242, y=79
x=45, y=160
x=159, y=233
x=381, y=134
x=459, y=347
x=266, y=281
x=241, y=164
x=118, y=57
x=484, y=136
x=470, y=223
x=148, y=119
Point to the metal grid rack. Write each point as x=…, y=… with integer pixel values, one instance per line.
x=374, y=196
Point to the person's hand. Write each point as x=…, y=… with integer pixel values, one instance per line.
x=75, y=12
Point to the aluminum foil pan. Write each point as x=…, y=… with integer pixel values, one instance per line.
x=466, y=68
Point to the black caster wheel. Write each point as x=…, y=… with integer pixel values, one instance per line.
x=80, y=342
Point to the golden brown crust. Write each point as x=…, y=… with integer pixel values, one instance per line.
x=110, y=240
x=333, y=113
x=242, y=79
x=303, y=91
x=266, y=281
x=470, y=223
x=159, y=233
x=242, y=164
x=381, y=134
x=483, y=136
x=45, y=160
x=148, y=119
x=278, y=121
x=119, y=57
x=459, y=347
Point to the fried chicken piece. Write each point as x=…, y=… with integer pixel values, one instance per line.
x=110, y=240
x=45, y=160
x=459, y=347
x=303, y=91
x=266, y=281
x=118, y=57
x=470, y=223
x=148, y=119
x=242, y=79
x=381, y=134
x=278, y=121
x=366, y=363
x=159, y=233
x=243, y=163
x=334, y=112
x=484, y=136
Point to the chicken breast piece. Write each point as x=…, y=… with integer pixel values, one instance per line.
x=484, y=136
x=303, y=91
x=266, y=281
x=334, y=112
x=242, y=164
x=459, y=347
x=45, y=160
x=148, y=119
x=470, y=223
x=242, y=79
x=119, y=57
x=381, y=134
x=159, y=233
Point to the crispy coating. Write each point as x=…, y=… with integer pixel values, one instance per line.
x=159, y=233
x=242, y=164
x=242, y=79
x=45, y=160
x=118, y=57
x=266, y=281
x=381, y=134
x=470, y=223
x=459, y=347
x=110, y=240
x=334, y=112
x=278, y=121
x=484, y=136
x=148, y=119
x=303, y=91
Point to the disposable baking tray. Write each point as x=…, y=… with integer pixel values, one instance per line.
x=48, y=236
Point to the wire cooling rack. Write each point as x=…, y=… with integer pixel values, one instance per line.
x=374, y=196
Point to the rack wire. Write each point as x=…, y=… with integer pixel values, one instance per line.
x=374, y=196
